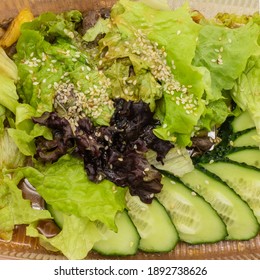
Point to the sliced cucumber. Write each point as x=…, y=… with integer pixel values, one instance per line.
x=248, y=156
x=123, y=242
x=242, y=122
x=57, y=215
x=244, y=180
x=236, y=214
x=153, y=224
x=246, y=139
x=195, y=220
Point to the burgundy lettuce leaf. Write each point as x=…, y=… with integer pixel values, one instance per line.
x=52, y=150
x=116, y=152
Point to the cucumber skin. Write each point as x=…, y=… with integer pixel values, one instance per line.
x=158, y=235
x=235, y=156
x=111, y=246
x=197, y=238
x=235, y=199
x=237, y=186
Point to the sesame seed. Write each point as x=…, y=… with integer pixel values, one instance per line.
x=178, y=32
x=193, y=194
x=164, y=125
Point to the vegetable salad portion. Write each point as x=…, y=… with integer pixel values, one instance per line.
x=104, y=114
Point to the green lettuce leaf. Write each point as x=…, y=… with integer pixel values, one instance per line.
x=7, y=66
x=8, y=95
x=14, y=209
x=10, y=156
x=214, y=114
x=168, y=32
x=101, y=27
x=46, y=67
x=75, y=240
x=65, y=186
x=176, y=162
x=246, y=91
x=224, y=53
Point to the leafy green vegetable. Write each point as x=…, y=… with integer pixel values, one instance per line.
x=246, y=91
x=10, y=156
x=218, y=50
x=65, y=186
x=7, y=67
x=75, y=240
x=8, y=95
x=14, y=210
x=177, y=161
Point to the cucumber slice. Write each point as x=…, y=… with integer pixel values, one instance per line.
x=153, y=224
x=195, y=220
x=248, y=156
x=124, y=242
x=236, y=214
x=57, y=215
x=246, y=139
x=244, y=180
x=242, y=122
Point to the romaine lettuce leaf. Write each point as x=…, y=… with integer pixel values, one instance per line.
x=65, y=186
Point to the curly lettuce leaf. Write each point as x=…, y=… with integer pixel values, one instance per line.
x=8, y=95
x=10, y=156
x=75, y=240
x=246, y=92
x=14, y=209
x=65, y=186
x=170, y=31
x=224, y=53
x=7, y=66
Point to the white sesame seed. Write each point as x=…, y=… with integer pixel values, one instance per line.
x=178, y=32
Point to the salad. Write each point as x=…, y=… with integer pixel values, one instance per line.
x=128, y=124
